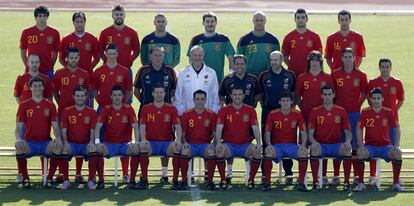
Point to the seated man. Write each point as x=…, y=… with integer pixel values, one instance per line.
x=158, y=121
x=325, y=125
x=281, y=137
x=377, y=121
x=235, y=123
x=36, y=115
x=199, y=126
x=118, y=119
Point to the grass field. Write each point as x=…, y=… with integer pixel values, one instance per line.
x=391, y=36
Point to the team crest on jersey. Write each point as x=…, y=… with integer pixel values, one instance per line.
x=268, y=83
x=352, y=44
x=337, y=119
x=217, y=47
x=127, y=40
x=286, y=85
x=356, y=82
x=167, y=49
x=81, y=81
x=88, y=46
x=246, y=118
x=167, y=117
x=393, y=90
x=119, y=78
x=50, y=39
x=323, y=83
x=46, y=112
x=87, y=120
x=309, y=43
x=384, y=122
x=124, y=119
x=294, y=124
x=207, y=123
x=268, y=48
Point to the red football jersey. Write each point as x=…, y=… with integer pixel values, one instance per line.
x=159, y=122
x=237, y=123
x=104, y=78
x=308, y=87
x=198, y=128
x=88, y=49
x=43, y=43
x=328, y=125
x=22, y=90
x=117, y=123
x=392, y=89
x=377, y=126
x=78, y=124
x=335, y=43
x=284, y=128
x=126, y=41
x=37, y=118
x=349, y=87
x=66, y=81
x=298, y=46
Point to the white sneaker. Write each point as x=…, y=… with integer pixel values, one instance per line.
x=91, y=185
x=335, y=181
x=372, y=181
x=397, y=188
x=360, y=187
x=65, y=185
x=19, y=179
x=325, y=181
x=125, y=179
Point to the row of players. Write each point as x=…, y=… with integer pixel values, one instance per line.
x=256, y=45
x=232, y=129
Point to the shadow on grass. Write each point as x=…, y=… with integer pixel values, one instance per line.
x=161, y=194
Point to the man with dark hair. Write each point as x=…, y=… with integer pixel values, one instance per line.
x=215, y=45
x=377, y=121
x=299, y=43
x=342, y=39
x=42, y=40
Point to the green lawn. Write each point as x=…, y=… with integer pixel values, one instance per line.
x=391, y=36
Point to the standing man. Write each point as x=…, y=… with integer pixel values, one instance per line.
x=282, y=126
x=196, y=76
x=257, y=45
x=393, y=92
x=118, y=119
x=377, y=121
x=326, y=123
x=235, y=124
x=124, y=37
x=273, y=82
x=149, y=75
x=36, y=115
x=42, y=40
x=104, y=79
x=342, y=39
x=163, y=39
x=158, y=121
x=299, y=43
x=22, y=90
x=85, y=42
x=215, y=46
x=350, y=84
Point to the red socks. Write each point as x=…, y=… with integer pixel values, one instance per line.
x=125, y=164
x=176, y=166
x=254, y=166
x=373, y=168
x=52, y=168
x=347, y=169
x=79, y=163
x=184, y=168
x=221, y=165
x=22, y=164
x=337, y=167
x=134, y=167
x=92, y=164
x=361, y=168
x=315, y=167
x=100, y=168
x=303, y=166
x=396, y=169
x=211, y=167
x=144, y=160
x=267, y=165
x=65, y=168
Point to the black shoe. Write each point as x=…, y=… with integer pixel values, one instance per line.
x=100, y=185
x=211, y=186
x=302, y=187
x=59, y=179
x=175, y=185
x=25, y=184
x=266, y=187
x=251, y=185
x=79, y=179
x=223, y=186
x=183, y=185
x=143, y=185
x=347, y=187
x=164, y=180
x=289, y=181
x=132, y=185
x=50, y=184
x=316, y=188
x=228, y=180
x=263, y=180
